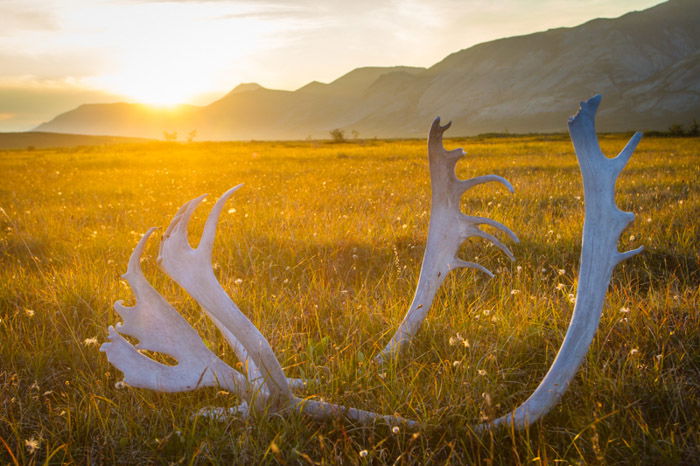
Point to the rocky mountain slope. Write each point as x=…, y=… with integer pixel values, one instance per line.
x=646, y=64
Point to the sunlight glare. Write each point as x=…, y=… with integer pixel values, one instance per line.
x=173, y=54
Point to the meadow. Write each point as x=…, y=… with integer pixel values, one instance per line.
x=321, y=249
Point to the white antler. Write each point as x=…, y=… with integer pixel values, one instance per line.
x=449, y=227
x=159, y=328
x=602, y=226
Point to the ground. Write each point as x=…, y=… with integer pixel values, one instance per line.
x=321, y=249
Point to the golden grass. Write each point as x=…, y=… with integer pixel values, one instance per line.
x=322, y=249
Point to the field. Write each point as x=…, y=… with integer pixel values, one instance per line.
x=322, y=249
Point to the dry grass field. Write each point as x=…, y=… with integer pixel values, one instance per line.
x=321, y=249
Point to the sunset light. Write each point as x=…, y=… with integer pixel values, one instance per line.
x=349, y=232
x=173, y=52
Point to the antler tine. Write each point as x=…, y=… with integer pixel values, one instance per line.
x=603, y=224
x=197, y=365
x=206, y=243
x=477, y=180
x=449, y=227
x=493, y=223
x=177, y=230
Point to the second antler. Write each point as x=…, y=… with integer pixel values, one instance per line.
x=448, y=229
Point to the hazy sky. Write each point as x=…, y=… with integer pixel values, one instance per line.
x=56, y=54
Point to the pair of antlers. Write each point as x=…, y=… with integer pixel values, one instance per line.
x=263, y=386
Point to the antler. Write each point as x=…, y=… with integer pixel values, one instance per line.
x=449, y=227
x=602, y=226
x=159, y=328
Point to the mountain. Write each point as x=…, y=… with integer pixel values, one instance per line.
x=646, y=64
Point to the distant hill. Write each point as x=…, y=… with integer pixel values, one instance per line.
x=42, y=140
x=646, y=64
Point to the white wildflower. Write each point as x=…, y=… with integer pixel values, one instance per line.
x=32, y=445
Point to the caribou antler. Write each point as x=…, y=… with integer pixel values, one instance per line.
x=159, y=328
x=449, y=227
x=602, y=226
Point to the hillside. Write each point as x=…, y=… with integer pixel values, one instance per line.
x=40, y=140
x=646, y=64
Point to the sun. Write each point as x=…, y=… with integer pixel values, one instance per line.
x=173, y=53
x=160, y=83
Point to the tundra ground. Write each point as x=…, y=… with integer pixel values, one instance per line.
x=322, y=249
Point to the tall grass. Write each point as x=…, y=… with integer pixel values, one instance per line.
x=321, y=249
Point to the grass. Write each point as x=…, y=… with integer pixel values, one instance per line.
x=322, y=249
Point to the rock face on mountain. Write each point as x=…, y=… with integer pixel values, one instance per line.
x=646, y=64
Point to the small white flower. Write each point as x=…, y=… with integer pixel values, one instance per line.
x=561, y=271
x=560, y=286
x=481, y=372
x=238, y=281
x=514, y=292
x=395, y=429
x=29, y=313
x=92, y=341
x=634, y=351
x=119, y=385
x=624, y=310
x=363, y=453
x=32, y=445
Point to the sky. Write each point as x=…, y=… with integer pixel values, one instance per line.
x=58, y=54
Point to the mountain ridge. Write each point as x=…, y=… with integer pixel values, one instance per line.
x=645, y=63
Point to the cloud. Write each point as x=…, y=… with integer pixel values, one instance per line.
x=18, y=18
x=57, y=65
